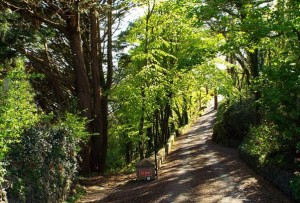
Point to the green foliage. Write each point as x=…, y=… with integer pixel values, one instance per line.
x=281, y=96
x=76, y=126
x=170, y=64
x=40, y=162
x=43, y=164
x=79, y=192
x=165, y=76
x=233, y=122
x=17, y=109
x=7, y=38
x=262, y=142
x=295, y=185
x=116, y=152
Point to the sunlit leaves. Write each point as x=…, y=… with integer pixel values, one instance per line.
x=17, y=109
x=164, y=46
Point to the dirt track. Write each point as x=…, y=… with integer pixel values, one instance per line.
x=197, y=170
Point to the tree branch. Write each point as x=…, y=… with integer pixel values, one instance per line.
x=34, y=15
x=48, y=72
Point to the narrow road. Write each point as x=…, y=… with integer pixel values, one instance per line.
x=197, y=170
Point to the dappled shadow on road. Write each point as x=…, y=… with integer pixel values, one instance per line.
x=100, y=186
x=198, y=170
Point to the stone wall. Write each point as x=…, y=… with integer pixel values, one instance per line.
x=278, y=177
x=163, y=152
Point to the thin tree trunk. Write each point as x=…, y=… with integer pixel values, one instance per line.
x=156, y=147
x=185, y=115
x=200, y=101
x=177, y=112
x=254, y=65
x=141, y=125
x=166, y=112
x=128, y=153
x=215, y=99
x=150, y=141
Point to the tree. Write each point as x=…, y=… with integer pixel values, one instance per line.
x=244, y=25
x=262, y=38
x=72, y=48
x=159, y=90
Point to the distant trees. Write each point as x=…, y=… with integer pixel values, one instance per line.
x=164, y=76
x=262, y=43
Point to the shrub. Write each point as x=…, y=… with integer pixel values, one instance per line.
x=295, y=185
x=233, y=123
x=17, y=110
x=270, y=151
x=270, y=145
x=261, y=142
x=43, y=165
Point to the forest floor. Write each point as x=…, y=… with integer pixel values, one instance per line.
x=197, y=170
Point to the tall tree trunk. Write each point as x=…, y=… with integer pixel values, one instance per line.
x=96, y=140
x=104, y=133
x=109, y=46
x=142, y=119
x=81, y=77
x=105, y=86
x=167, y=111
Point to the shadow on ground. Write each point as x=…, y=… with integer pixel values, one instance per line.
x=198, y=170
